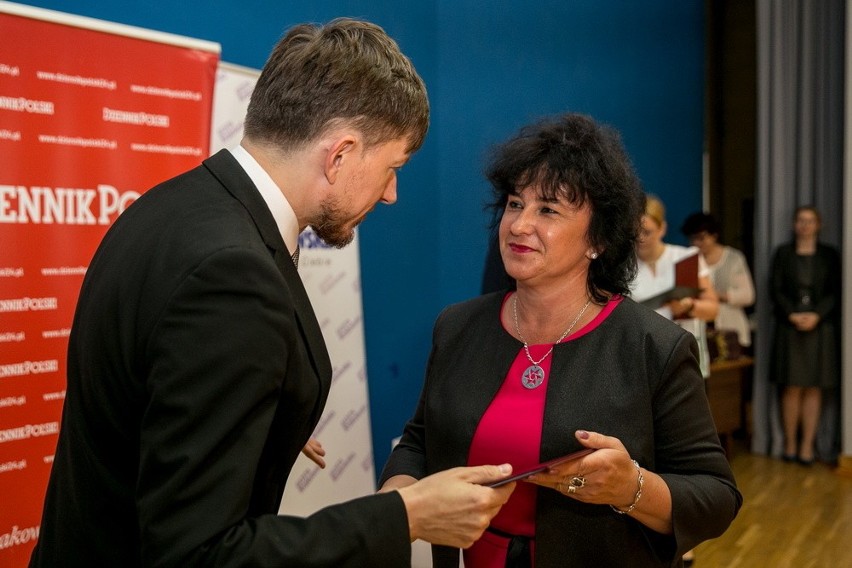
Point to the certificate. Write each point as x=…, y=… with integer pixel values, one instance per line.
x=542, y=467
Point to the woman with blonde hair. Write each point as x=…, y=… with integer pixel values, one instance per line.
x=656, y=274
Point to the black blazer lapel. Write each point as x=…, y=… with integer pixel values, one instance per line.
x=306, y=319
x=228, y=171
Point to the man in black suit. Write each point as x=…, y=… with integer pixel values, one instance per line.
x=196, y=367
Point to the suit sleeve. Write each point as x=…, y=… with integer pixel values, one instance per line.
x=217, y=379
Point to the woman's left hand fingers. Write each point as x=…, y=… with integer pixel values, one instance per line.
x=594, y=478
x=598, y=441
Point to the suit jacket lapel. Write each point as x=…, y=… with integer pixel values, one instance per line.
x=306, y=318
x=228, y=171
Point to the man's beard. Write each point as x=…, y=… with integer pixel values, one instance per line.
x=334, y=232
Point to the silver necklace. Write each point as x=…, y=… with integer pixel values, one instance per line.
x=533, y=375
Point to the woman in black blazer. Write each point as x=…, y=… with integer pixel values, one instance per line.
x=805, y=287
x=568, y=362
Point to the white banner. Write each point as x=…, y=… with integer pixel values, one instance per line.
x=332, y=278
x=231, y=95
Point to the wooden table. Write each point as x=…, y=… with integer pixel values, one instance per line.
x=725, y=387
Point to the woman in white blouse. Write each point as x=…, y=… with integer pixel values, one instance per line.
x=729, y=274
x=656, y=261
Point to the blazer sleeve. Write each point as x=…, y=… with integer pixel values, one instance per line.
x=409, y=455
x=828, y=302
x=218, y=379
x=779, y=274
x=438, y=435
x=705, y=498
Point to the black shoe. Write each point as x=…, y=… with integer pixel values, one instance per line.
x=804, y=462
x=789, y=458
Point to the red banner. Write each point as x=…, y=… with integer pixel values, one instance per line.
x=88, y=120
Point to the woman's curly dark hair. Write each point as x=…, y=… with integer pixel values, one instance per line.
x=573, y=157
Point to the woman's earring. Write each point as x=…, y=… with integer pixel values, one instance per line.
x=594, y=255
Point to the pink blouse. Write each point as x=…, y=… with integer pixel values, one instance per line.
x=510, y=431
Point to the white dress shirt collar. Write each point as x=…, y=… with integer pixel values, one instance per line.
x=278, y=205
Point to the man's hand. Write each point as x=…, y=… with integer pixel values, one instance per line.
x=451, y=507
x=314, y=451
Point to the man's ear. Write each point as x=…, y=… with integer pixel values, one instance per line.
x=339, y=151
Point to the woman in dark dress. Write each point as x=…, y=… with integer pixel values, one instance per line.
x=805, y=287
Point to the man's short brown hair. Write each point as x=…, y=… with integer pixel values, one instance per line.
x=346, y=72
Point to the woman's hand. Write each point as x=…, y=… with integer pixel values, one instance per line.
x=681, y=308
x=604, y=477
x=704, y=307
x=804, y=321
x=609, y=477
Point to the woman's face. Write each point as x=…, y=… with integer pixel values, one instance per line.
x=542, y=240
x=806, y=224
x=650, y=238
x=704, y=241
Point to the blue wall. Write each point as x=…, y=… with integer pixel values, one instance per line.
x=490, y=67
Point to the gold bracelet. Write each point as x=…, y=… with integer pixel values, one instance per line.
x=636, y=497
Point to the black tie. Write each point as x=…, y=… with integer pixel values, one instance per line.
x=295, y=257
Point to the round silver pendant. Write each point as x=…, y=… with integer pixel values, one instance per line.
x=533, y=376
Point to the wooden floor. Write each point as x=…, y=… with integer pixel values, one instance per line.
x=792, y=516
